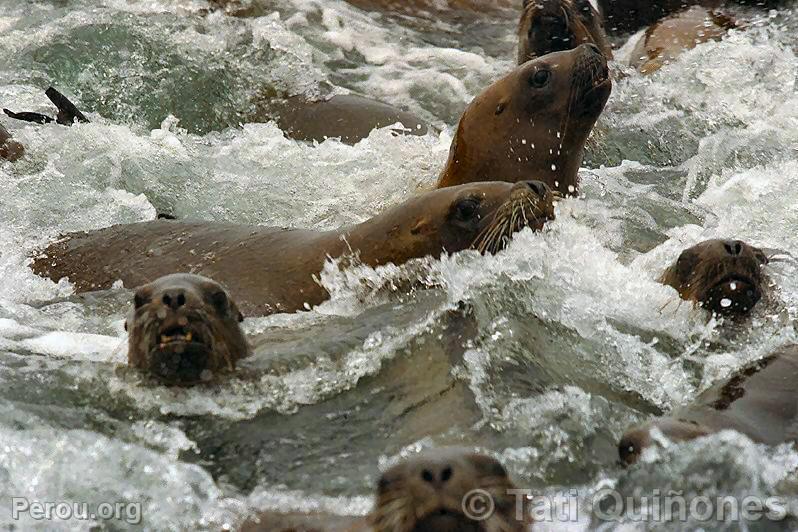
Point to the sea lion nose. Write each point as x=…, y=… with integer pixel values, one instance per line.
x=174, y=299
x=592, y=47
x=437, y=475
x=537, y=187
x=733, y=247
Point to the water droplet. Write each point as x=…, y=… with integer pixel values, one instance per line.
x=725, y=302
x=523, y=141
x=733, y=286
x=554, y=168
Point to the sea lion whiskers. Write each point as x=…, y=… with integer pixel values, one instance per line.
x=523, y=209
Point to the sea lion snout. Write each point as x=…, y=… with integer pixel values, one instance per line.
x=183, y=329
x=433, y=492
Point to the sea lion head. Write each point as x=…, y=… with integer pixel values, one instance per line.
x=637, y=439
x=724, y=276
x=183, y=329
x=480, y=216
x=548, y=26
x=432, y=492
x=532, y=123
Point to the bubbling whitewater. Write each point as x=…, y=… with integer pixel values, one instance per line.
x=541, y=355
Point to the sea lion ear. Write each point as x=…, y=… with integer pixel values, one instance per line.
x=220, y=301
x=126, y=325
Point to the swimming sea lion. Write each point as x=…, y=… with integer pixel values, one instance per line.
x=270, y=270
x=10, y=149
x=625, y=16
x=184, y=329
x=666, y=40
x=723, y=276
x=432, y=491
x=548, y=26
x=348, y=117
x=532, y=123
x=760, y=401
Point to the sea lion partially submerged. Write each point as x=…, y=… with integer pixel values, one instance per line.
x=10, y=149
x=184, y=329
x=723, y=276
x=548, y=26
x=666, y=40
x=759, y=401
x=348, y=117
x=532, y=123
x=429, y=492
x=269, y=270
x=432, y=491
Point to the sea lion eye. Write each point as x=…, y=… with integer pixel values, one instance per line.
x=540, y=78
x=139, y=300
x=219, y=300
x=466, y=209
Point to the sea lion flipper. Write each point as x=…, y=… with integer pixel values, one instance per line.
x=28, y=116
x=68, y=113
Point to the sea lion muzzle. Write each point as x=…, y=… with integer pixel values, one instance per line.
x=591, y=80
x=530, y=204
x=431, y=492
x=184, y=329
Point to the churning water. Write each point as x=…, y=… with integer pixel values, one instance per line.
x=541, y=355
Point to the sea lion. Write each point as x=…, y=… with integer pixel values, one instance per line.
x=184, y=329
x=10, y=149
x=532, y=123
x=433, y=491
x=348, y=117
x=626, y=16
x=548, y=26
x=270, y=270
x=760, y=401
x=666, y=40
x=723, y=276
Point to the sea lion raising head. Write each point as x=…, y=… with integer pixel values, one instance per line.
x=548, y=26
x=184, y=329
x=533, y=123
x=429, y=493
x=723, y=276
x=760, y=400
x=269, y=270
